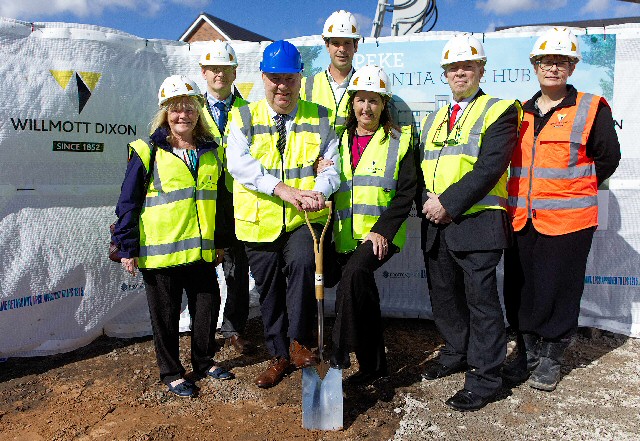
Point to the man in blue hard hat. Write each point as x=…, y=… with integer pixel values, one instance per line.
x=272, y=147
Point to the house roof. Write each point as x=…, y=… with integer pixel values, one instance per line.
x=228, y=30
x=598, y=23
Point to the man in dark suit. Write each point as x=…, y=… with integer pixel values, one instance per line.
x=464, y=153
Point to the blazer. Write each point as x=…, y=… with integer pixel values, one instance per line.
x=486, y=230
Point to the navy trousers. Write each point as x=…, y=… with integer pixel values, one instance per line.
x=283, y=271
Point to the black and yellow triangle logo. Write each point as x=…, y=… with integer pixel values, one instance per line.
x=86, y=82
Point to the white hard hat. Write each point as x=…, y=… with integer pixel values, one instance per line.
x=463, y=47
x=177, y=85
x=218, y=53
x=371, y=78
x=557, y=42
x=341, y=24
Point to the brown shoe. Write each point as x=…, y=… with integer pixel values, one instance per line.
x=301, y=356
x=278, y=368
x=239, y=344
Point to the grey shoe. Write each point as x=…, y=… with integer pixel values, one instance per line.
x=547, y=374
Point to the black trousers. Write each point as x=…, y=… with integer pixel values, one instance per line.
x=236, y=273
x=358, y=326
x=164, y=288
x=467, y=312
x=283, y=271
x=544, y=281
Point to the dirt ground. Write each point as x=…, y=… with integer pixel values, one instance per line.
x=109, y=390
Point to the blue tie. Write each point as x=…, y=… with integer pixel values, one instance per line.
x=222, y=118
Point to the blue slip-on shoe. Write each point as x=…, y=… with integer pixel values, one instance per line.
x=220, y=373
x=183, y=389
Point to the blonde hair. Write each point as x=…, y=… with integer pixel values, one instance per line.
x=201, y=132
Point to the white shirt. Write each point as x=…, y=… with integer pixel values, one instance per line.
x=463, y=105
x=339, y=89
x=249, y=172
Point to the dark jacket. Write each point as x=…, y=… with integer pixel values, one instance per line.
x=488, y=229
x=133, y=192
x=396, y=213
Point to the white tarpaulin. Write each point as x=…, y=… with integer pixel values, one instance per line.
x=73, y=96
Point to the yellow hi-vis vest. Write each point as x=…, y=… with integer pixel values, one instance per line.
x=260, y=217
x=317, y=89
x=221, y=138
x=366, y=192
x=178, y=216
x=446, y=158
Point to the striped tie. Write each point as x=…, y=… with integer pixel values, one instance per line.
x=282, y=132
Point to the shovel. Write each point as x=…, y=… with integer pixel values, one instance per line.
x=321, y=385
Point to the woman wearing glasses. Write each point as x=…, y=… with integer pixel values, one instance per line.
x=167, y=220
x=567, y=147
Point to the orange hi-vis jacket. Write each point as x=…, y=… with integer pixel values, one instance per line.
x=551, y=179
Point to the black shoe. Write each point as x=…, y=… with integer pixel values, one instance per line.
x=439, y=370
x=515, y=372
x=340, y=359
x=365, y=377
x=464, y=400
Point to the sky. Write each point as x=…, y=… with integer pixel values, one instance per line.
x=280, y=19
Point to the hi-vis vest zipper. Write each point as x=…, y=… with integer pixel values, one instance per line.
x=552, y=180
x=260, y=217
x=446, y=157
x=317, y=89
x=177, y=220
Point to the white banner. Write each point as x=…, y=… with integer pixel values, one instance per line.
x=73, y=96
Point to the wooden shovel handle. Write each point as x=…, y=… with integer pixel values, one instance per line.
x=318, y=250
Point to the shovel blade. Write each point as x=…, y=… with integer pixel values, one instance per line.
x=322, y=400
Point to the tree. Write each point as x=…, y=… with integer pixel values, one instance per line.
x=601, y=51
x=309, y=54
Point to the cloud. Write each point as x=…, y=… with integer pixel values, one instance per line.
x=595, y=6
x=506, y=7
x=27, y=9
x=364, y=23
x=615, y=10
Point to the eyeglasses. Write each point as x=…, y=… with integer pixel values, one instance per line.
x=546, y=65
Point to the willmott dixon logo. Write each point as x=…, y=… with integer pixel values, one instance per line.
x=86, y=82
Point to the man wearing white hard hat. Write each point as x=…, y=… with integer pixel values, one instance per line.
x=327, y=88
x=465, y=149
x=218, y=64
x=568, y=147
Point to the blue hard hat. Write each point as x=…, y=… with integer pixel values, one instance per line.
x=281, y=57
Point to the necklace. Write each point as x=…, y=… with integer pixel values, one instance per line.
x=361, y=142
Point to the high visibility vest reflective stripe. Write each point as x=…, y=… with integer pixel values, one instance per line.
x=221, y=138
x=562, y=196
x=446, y=157
x=318, y=89
x=366, y=192
x=177, y=220
x=260, y=217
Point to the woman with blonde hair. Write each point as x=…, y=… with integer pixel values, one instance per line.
x=169, y=227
